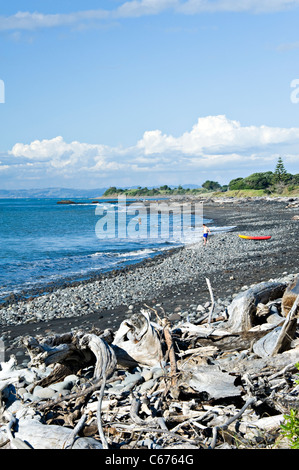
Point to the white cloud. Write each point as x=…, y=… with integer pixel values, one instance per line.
x=48, y=148
x=252, y=6
x=217, y=134
x=24, y=20
x=32, y=21
x=215, y=143
x=137, y=8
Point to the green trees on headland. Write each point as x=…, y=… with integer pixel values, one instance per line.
x=211, y=185
x=268, y=182
x=254, y=181
x=164, y=190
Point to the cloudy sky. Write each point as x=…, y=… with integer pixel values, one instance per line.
x=146, y=92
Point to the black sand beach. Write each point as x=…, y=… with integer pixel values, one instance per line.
x=180, y=276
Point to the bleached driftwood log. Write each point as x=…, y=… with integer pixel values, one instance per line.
x=62, y=349
x=75, y=351
x=104, y=354
x=104, y=368
x=209, y=380
x=212, y=300
x=257, y=366
x=289, y=296
x=137, y=342
x=280, y=339
x=203, y=331
x=265, y=345
x=242, y=310
x=268, y=424
x=41, y=436
x=288, y=329
x=9, y=375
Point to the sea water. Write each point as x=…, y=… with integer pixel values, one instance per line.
x=42, y=242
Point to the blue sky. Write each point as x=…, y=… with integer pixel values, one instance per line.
x=148, y=92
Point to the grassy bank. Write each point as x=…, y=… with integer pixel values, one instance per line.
x=145, y=192
x=258, y=193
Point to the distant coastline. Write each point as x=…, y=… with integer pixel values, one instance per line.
x=237, y=193
x=279, y=183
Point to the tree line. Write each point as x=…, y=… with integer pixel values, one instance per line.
x=268, y=181
x=162, y=190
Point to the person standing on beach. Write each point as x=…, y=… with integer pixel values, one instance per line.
x=206, y=232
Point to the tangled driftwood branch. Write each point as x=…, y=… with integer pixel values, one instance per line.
x=157, y=385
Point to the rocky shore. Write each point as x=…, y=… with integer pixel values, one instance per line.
x=176, y=281
x=194, y=350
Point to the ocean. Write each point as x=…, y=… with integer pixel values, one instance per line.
x=43, y=241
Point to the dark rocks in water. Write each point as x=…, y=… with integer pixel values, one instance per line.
x=66, y=202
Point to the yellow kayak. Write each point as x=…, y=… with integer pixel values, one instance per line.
x=248, y=237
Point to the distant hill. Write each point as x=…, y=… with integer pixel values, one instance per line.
x=65, y=193
x=55, y=193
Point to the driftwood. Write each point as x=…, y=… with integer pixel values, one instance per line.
x=210, y=381
x=242, y=310
x=288, y=330
x=137, y=342
x=289, y=297
x=104, y=354
x=212, y=300
x=280, y=339
x=231, y=420
x=172, y=358
x=155, y=385
x=60, y=349
x=73, y=351
x=42, y=436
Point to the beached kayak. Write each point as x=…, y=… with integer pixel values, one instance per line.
x=248, y=237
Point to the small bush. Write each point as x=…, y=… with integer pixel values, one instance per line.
x=290, y=428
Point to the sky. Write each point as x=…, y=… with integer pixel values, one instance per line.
x=146, y=92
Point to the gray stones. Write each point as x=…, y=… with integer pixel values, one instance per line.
x=147, y=281
x=55, y=390
x=43, y=392
x=125, y=288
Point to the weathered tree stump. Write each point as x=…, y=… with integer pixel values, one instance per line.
x=242, y=310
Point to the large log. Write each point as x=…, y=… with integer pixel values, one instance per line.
x=289, y=296
x=209, y=380
x=60, y=349
x=288, y=330
x=280, y=339
x=137, y=342
x=43, y=436
x=259, y=366
x=104, y=354
x=242, y=310
x=75, y=351
x=203, y=331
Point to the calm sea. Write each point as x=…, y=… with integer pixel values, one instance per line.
x=42, y=242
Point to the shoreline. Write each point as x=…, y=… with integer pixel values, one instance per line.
x=212, y=205
x=175, y=280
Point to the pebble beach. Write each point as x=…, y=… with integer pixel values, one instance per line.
x=175, y=281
